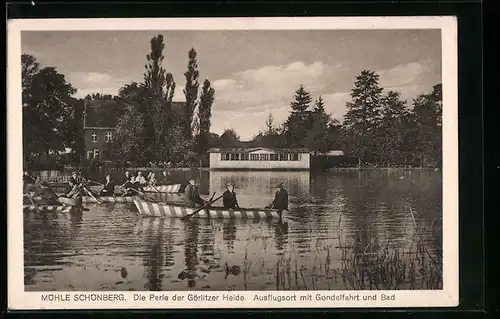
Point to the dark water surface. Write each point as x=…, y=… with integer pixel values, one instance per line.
x=346, y=230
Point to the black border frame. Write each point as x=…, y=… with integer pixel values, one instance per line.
x=470, y=88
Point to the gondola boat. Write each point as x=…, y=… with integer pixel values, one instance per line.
x=164, y=189
x=173, y=210
x=53, y=208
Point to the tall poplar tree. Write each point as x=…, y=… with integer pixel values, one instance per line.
x=207, y=99
x=159, y=91
x=191, y=90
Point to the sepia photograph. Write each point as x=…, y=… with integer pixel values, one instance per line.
x=231, y=159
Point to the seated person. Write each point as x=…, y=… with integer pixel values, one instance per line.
x=229, y=199
x=74, y=197
x=192, y=195
x=152, y=179
x=109, y=187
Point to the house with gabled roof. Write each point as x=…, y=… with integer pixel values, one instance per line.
x=99, y=122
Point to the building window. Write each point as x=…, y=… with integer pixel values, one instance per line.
x=283, y=157
x=254, y=157
x=90, y=155
x=244, y=156
x=235, y=157
x=224, y=157
x=109, y=137
x=264, y=157
x=294, y=157
x=96, y=153
x=273, y=157
x=94, y=137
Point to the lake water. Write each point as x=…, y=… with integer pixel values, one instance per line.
x=346, y=230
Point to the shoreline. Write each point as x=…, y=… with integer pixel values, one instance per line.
x=312, y=169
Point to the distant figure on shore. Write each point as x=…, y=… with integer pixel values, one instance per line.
x=109, y=187
x=229, y=199
x=280, y=201
x=192, y=195
x=74, y=197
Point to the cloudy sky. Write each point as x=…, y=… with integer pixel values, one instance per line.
x=254, y=73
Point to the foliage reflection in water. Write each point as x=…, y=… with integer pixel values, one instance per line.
x=346, y=230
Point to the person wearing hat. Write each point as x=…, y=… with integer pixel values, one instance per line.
x=229, y=199
x=192, y=195
x=280, y=201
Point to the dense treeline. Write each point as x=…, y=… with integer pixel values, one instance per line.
x=378, y=128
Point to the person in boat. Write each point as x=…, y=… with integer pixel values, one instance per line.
x=127, y=184
x=229, y=199
x=74, y=197
x=109, y=187
x=152, y=179
x=192, y=195
x=280, y=202
x=163, y=178
x=28, y=179
x=46, y=194
x=140, y=181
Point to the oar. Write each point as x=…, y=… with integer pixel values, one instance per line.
x=33, y=203
x=154, y=188
x=91, y=195
x=141, y=193
x=202, y=208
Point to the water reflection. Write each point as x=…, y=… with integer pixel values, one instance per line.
x=346, y=230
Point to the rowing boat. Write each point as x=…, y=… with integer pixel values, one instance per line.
x=172, y=210
x=174, y=188
x=52, y=208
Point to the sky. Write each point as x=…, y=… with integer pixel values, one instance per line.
x=254, y=73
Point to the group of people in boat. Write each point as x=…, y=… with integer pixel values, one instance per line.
x=134, y=184
x=193, y=199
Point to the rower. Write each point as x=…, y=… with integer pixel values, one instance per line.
x=109, y=187
x=127, y=183
x=192, y=195
x=74, y=197
x=229, y=199
x=28, y=179
x=48, y=197
x=280, y=202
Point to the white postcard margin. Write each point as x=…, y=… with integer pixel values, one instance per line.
x=18, y=299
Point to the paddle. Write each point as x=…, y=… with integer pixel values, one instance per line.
x=91, y=195
x=141, y=193
x=33, y=203
x=203, y=207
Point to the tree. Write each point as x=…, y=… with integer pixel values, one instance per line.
x=318, y=138
x=48, y=109
x=159, y=91
x=191, y=90
x=363, y=116
x=427, y=110
x=270, y=127
x=393, y=128
x=229, y=138
x=207, y=99
x=298, y=121
x=129, y=136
